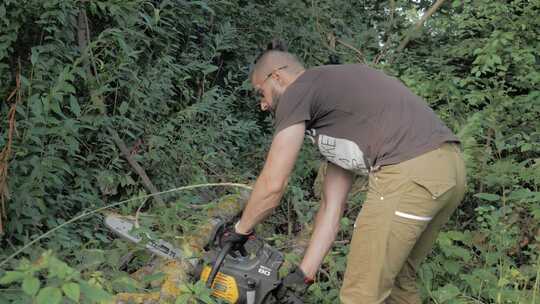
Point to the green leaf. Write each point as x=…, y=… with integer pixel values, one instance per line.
x=488, y=196
x=209, y=69
x=94, y=293
x=11, y=276
x=58, y=268
x=123, y=108
x=183, y=298
x=448, y=292
x=55, y=105
x=345, y=222
x=35, y=56
x=524, y=194
x=72, y=291
x=30, y=285
x=153, y=277
x=203, y=5
x=127, y=284
x=36, y=105
x=536, y=213
x=49, y=295
x=74, y=106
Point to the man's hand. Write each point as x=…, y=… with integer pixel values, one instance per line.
x=236, y=239
x=293, y=287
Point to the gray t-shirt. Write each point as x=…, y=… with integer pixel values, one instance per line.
x=360, y=118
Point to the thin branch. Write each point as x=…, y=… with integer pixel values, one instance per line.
x=318, y=27
x=418, y=25
x=384, y=50
x=5, y=154
x=360, y=55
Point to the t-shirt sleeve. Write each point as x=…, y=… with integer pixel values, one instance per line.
x=295, y=106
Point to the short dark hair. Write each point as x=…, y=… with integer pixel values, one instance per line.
x=274, y=56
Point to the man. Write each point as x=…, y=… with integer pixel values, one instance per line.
x=363, y=122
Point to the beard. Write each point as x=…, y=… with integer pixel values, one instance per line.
x=276, y=97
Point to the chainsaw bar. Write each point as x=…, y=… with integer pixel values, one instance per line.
x=123, y=227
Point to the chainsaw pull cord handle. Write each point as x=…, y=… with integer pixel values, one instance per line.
x=217, y=264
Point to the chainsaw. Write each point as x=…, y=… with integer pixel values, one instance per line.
x=246, y=276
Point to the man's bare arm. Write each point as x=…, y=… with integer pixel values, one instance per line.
x=337, y=184
x=272, y=181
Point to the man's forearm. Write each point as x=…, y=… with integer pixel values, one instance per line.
x=337, y=183
x=273, y=179
x=322, y=238
x=262, y=201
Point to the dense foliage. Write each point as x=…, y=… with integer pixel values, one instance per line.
x=170, y=78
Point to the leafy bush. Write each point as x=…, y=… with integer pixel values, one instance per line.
x=61, y=282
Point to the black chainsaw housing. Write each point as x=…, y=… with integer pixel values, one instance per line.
x=256, y=273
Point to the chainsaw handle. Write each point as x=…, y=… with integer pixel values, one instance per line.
x=217, y=264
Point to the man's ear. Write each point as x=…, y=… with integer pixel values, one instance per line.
x=278, y=78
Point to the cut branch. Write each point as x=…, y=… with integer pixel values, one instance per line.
x=83, y=34
x=135, y=165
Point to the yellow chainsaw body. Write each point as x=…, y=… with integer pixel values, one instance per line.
x=224, y=286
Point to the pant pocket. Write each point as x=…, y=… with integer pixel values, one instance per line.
x=424, y=198
x=435, y=188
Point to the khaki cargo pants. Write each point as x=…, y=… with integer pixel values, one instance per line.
x=406, y=206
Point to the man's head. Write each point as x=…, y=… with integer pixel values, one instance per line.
x=273, y=73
